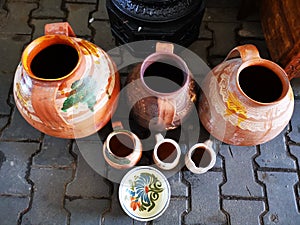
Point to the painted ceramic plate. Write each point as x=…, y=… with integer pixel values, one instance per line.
x=144, y=193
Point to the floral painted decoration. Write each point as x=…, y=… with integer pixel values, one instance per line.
x=144, y=191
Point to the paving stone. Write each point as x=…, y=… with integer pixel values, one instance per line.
x=54, y=153
x=39, y=26
x=87, y=211
x=173, y=213
x=116, y=215
x=251, y=30
x=244, y=212
x=295, y=83
x=281, y=198
x=49, y=9
x=220, y=46
x=294, y=135
x=103, y=37
x=200, y=47
x=178, y=188
x=295, y=151
x=87, y=183
x=47, y=204
x=83, y=1
x=3, y=122
x=11, y=208
x=101, y=13
x=205, y=33
x=15, y=21
x=10, y=54
x=220, y=15
x=205, y=199
x=14, y=158
x=274, y=154
x=19, y=129
x=223, y=3
x=78, y=17
x=239, y=172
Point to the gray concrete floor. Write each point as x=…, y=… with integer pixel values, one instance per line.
x=46, y=180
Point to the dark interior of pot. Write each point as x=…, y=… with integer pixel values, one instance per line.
x=54, y=61
x=260, y=84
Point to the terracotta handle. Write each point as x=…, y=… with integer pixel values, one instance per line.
x=246, y=52
x=164, y=47
x=117, y=125
x=59, y=28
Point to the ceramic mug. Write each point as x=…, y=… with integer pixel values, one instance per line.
x=166, y=152
x=201, y=157
x=122, y=148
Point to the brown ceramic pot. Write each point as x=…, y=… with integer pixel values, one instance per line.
x=246, y=100
x=161, y=90
x=65, y=86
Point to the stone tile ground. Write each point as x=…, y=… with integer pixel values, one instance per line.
x=45, y=180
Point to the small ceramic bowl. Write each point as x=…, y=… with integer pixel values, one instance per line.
x=144, y=193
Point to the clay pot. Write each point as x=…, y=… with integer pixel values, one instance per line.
x=65, y=86
x=201, y=157
x=246, y=100
x=166, y=153
x=161, y=90
x=122, y=148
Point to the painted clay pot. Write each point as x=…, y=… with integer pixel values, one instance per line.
x=246, y=100
x=122, y=148
x=65, y=86
x=161, y=90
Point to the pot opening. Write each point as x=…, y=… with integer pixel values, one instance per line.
x=121, y=145
x=166, y=152
x=54, y=62
x=201, y=157
x=165, y=76
x=261, y=84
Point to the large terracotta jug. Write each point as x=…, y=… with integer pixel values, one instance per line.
x=161, y=90
x=246, y=100
x=65, y=86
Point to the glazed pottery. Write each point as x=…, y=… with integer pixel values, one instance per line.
x=144, y=193
x=201, y=157
x=161, y=90
x=246, y=100
x=65, y=86
x=122, y=148
x=166, y=153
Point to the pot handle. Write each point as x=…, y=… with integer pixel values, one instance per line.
x=164, y=47
x=63, y=28
x=245, y=52
x=117, y=125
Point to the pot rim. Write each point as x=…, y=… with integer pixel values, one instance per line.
x=132, y=137
x=178, y=62
x=208, y=149
x=177, y=147
x=47, y=40
x=281, y=74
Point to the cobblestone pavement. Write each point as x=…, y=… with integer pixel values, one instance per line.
x=45, y=180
